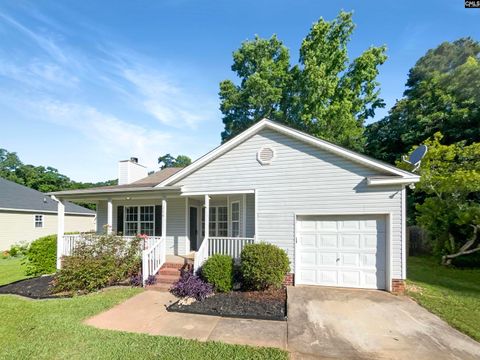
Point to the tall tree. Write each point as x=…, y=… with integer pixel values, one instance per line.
x=167, y=161
x=326, y=94
x=442, y=94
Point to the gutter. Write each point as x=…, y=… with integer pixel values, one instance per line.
x=373, y=181
x=111, y=191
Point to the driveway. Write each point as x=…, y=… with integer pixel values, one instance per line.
x=331, y=323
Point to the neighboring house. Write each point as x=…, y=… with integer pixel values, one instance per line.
x=27, y=214
x=339, y=215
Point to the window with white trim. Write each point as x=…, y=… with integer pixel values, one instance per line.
x=218, y=221
x=139, y=220
x=235, y=213
x=38, y=221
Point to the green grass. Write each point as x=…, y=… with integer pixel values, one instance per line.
x=452, y=294
x=53, y=329
x=11, y=270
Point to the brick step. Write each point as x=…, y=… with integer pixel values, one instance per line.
x=168, y=265
x=168, y=271
x=167, y=279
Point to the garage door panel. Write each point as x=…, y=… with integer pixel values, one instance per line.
x=342, y=251
x=349, y=241
x=327, y=259
x=328, y=241
x=308, y=240
x=308, y=258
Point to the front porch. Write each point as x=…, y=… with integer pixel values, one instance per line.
x=172, y=225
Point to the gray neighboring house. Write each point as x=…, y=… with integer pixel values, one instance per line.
x=338, y=214
x=27, y=214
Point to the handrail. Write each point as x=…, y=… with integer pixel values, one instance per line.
x=153, y=257
x=201, y=255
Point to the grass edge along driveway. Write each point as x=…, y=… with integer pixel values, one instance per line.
x=452, y=294
x=53, y=329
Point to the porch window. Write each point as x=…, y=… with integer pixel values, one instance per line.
x=139, y=220
x=235, y=219
x=218, y=222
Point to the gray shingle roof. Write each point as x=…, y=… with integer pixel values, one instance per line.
x=16, y=196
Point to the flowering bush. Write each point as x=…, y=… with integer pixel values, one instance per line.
x=190, y=285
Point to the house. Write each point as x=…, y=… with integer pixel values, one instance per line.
x=339, y=215
x=27, y=214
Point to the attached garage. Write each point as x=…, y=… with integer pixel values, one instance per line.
x=342, y=250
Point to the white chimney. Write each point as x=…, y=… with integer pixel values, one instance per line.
x=130, y=171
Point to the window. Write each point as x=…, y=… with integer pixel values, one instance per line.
x=218, y=222
x=235, y=219
x=139, y=220
x=39, y=221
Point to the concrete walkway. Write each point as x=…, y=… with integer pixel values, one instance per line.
x=145, y=313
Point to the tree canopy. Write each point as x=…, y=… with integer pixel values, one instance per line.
x=325, y=94
x=450, y=182
x=167, y=161
x=442, y=94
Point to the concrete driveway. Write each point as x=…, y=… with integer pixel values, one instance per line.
x=330, y=323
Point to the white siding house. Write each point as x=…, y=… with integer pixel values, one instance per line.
x=339, y=215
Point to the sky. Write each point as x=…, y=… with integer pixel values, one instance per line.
x=84, y=84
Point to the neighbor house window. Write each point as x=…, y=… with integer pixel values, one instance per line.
x=235, y=219
x=139, y=220
x=39, y=221
x=218, y=222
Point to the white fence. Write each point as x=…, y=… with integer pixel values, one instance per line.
x=200, y=256
x=231, y=246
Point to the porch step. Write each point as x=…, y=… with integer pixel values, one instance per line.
x=169, y=271
x=159, y=287
x=167, y=279
x=168, y=274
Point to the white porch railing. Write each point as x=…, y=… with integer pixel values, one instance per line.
x=200, y=256
x=153, y=257
x=69, y=242
x=231, y=246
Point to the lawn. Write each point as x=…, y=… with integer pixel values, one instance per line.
x=11, y=270
x=452, y=294
x=53, y=329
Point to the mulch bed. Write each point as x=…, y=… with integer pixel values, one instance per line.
x=266, y=305
x=36, y=288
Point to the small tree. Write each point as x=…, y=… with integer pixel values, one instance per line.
x=167, y=161
x=450, y=178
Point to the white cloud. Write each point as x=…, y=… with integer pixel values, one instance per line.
x=113, y=136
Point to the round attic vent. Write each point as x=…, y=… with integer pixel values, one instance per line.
x=265, y=155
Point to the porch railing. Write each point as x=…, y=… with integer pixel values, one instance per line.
x=69, y=243
x=200, y=256
x=231, y=246
x=153, y=257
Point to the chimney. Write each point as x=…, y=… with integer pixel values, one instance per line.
x=130, y=171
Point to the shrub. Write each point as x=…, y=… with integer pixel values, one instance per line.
x=18, y=249
x=151, y=280
x=98, y=262
x=41, y=256
x=218, y=271
x=190, y=285
x=467, y=261
x=263, y=266
x=136, y=280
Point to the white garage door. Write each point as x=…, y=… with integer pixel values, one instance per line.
x=347, y=251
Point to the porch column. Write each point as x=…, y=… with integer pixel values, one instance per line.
x=207, y=216
x=60, y=231
x=109, y=216
x=164, y=218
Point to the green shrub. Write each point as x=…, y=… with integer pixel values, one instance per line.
x=467, y=261
x=18, y=249
x=218, y=271
x=263, y=266
x=98, y=262
x=41, y=257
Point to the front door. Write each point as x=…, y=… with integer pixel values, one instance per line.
x=193, y=228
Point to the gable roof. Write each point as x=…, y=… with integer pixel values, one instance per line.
x=402, y=175
x=14, y=196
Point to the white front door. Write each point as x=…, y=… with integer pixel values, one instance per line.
x=346, y=251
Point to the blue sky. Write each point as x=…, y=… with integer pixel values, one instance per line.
x=84, y=84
